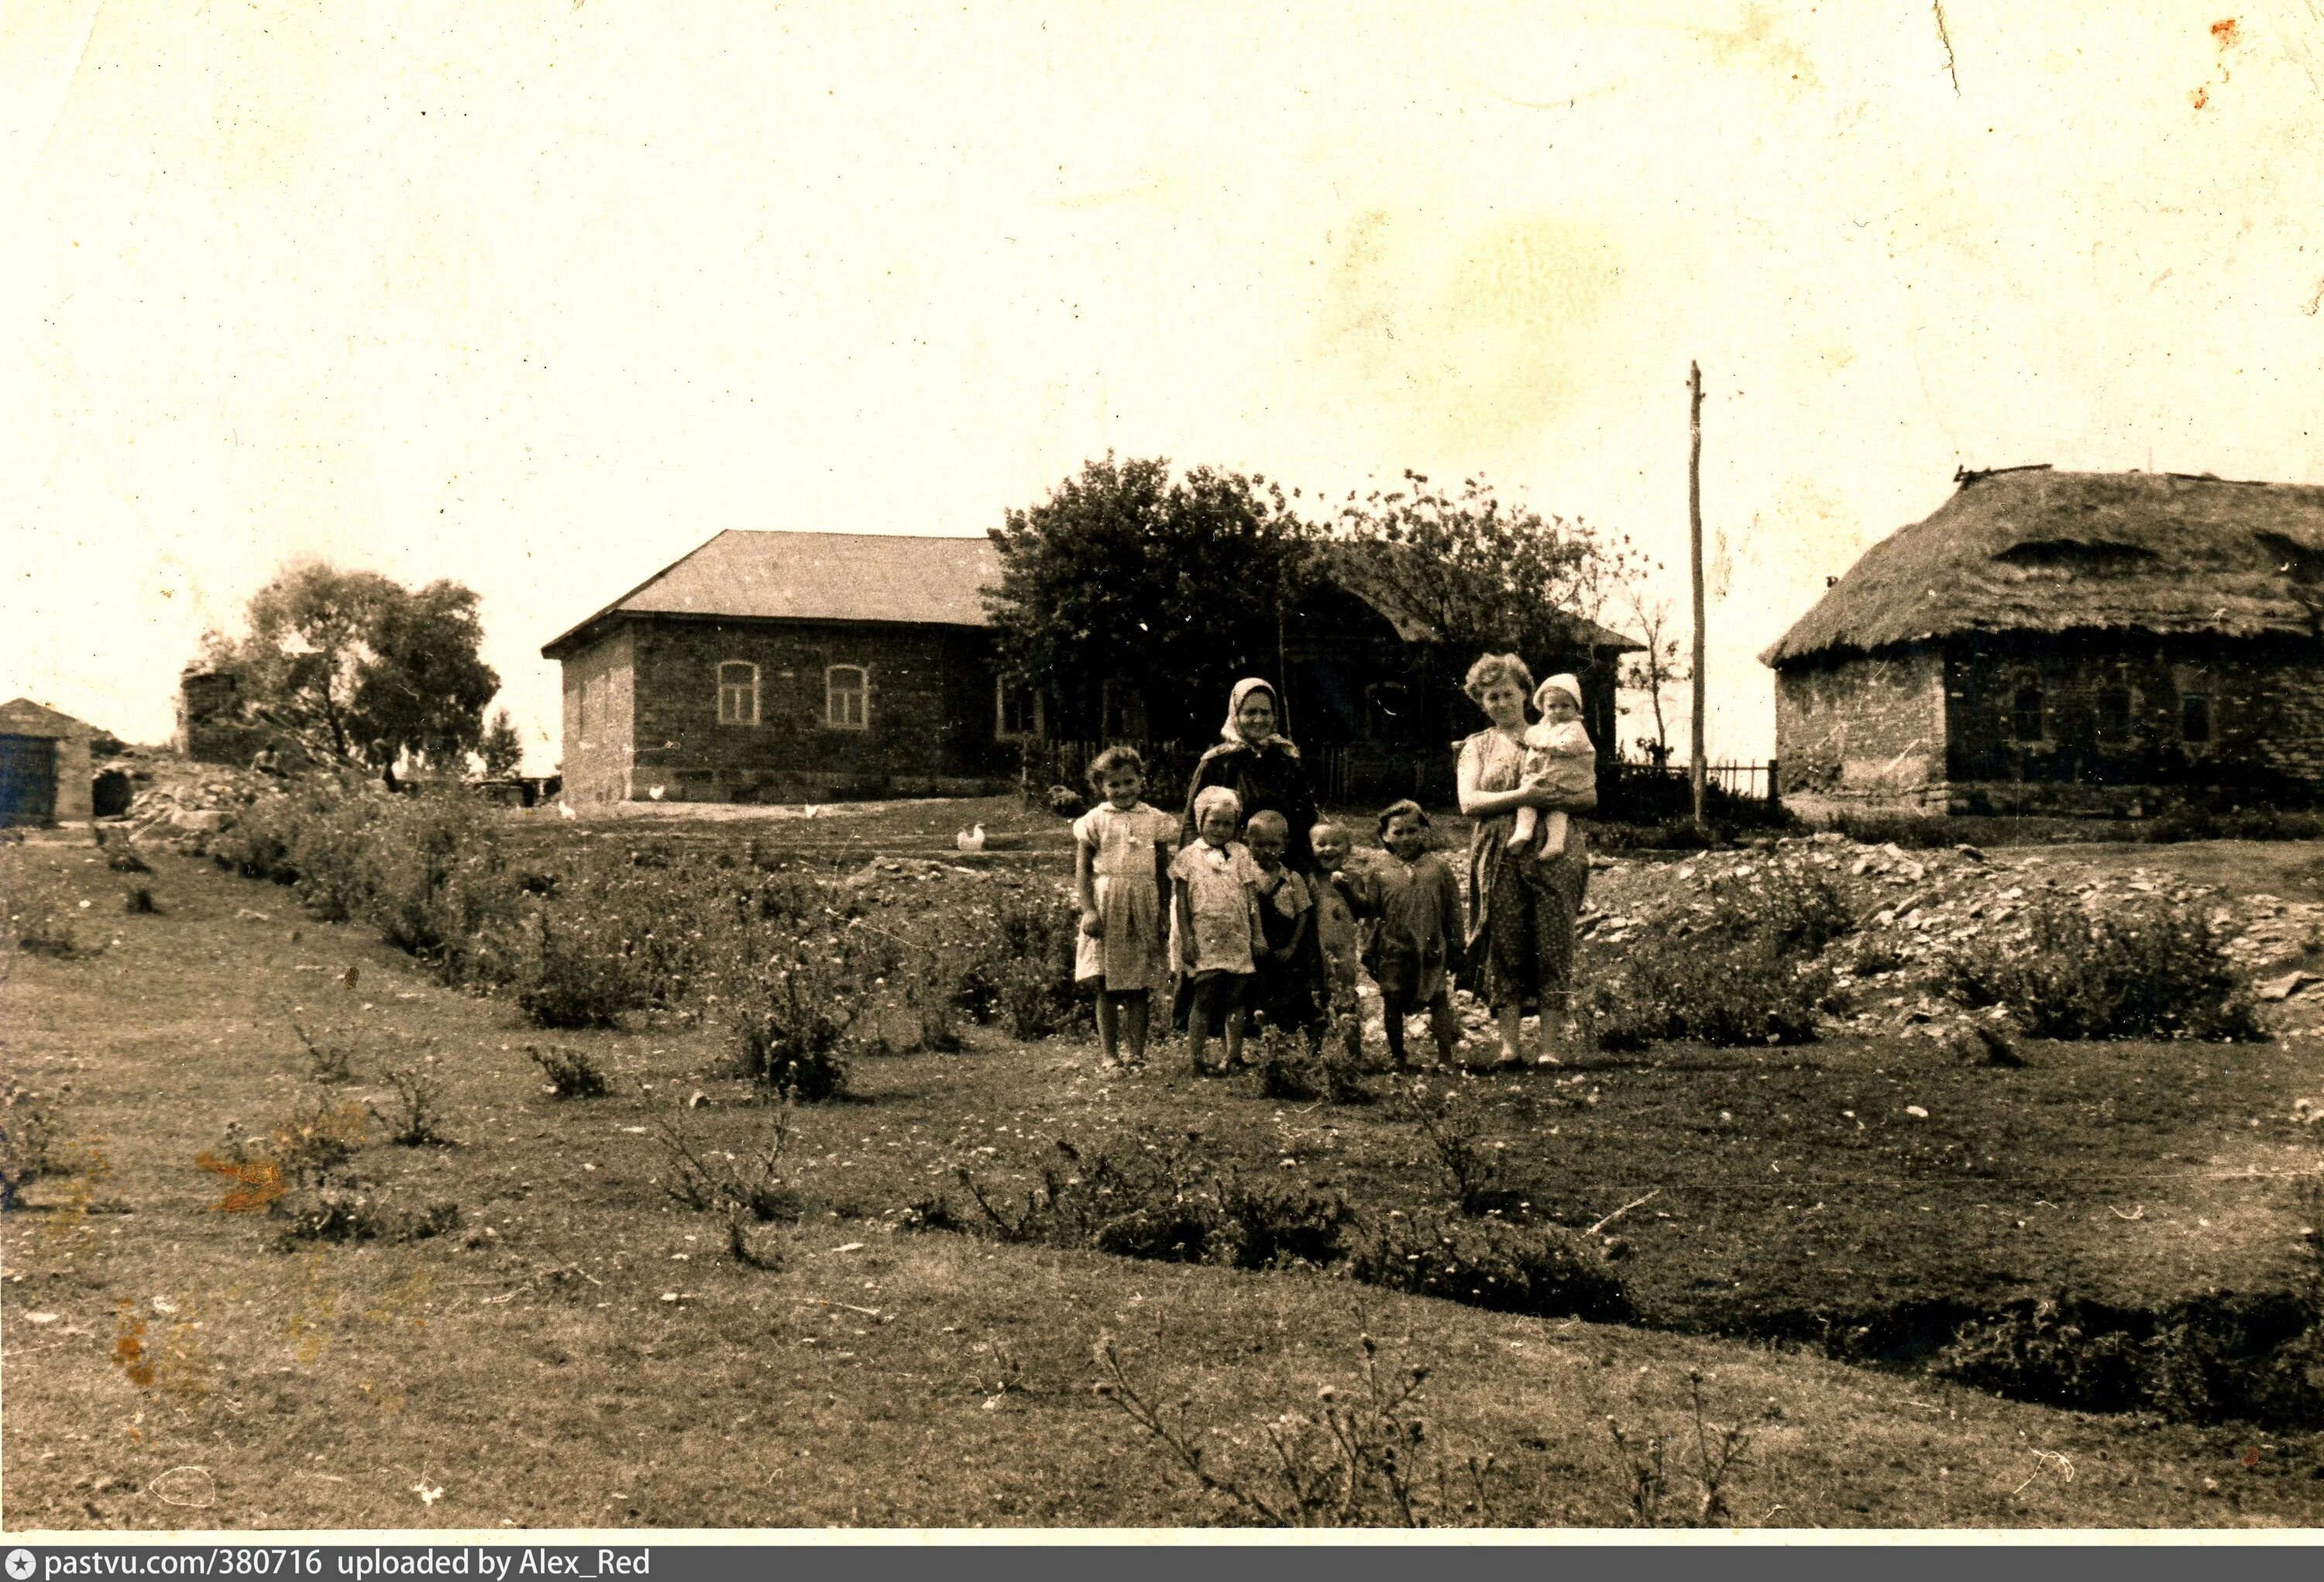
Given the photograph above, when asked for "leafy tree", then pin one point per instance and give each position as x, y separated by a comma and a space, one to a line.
1480, 574
502, 748
360, 668
1172, 586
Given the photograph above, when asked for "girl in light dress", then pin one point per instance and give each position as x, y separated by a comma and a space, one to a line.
1215, 927
1122, 858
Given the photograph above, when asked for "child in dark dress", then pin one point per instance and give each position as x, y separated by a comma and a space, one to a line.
1282, 995
1419, 918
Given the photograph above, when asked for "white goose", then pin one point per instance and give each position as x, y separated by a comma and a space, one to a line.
970, 839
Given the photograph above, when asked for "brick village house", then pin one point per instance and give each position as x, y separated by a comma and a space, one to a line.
2054, 643
805, 666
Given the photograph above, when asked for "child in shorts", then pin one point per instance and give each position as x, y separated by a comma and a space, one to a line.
1214, 927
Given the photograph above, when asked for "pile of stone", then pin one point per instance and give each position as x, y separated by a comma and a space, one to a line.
1914, 910
178, 796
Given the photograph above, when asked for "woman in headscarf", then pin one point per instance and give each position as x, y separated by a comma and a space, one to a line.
1520, 948
1262, 767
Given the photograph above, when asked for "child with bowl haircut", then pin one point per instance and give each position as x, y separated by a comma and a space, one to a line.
1418, 901
1214, 927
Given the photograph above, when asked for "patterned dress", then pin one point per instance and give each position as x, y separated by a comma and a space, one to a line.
1522, 908
1126, 882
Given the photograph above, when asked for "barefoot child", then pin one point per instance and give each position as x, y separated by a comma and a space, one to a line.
1420, 916
1341, 895
1283, 992
1121, 851
1560, 754
1215, 926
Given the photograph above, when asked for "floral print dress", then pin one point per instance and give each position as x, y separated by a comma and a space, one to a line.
1522, 908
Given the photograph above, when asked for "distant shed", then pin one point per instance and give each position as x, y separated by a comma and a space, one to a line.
2058, 643
44, 764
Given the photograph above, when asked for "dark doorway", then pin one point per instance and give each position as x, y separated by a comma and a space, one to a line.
28, 780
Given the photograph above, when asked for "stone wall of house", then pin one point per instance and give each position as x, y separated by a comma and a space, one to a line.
598, 734
929, 726
1865, 734
2097, 724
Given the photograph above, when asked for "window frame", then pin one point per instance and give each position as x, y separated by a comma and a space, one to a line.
862, 691
2018, 713
2208, 706
2117, 730
726, 687
1032, 723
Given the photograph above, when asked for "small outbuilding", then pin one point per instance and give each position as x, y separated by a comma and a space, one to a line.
44, 764
2058, 643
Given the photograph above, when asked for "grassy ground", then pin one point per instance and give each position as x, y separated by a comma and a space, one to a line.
581, 1351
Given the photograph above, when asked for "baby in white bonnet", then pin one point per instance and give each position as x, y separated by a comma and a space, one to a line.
1559, 751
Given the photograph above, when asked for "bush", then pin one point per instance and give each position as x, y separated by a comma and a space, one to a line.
28, 1142
1748, 976
349, 1211
2150, 967
1028, 963
417, 1120
1543, 1270
791, 1021
1728, 994
566, 974
1288, 1068
571, 1073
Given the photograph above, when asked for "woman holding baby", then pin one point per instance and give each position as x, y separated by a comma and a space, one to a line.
1528, 861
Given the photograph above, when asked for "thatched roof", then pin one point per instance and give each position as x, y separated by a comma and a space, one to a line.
2031, 549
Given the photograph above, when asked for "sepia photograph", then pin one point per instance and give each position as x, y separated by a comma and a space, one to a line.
1115, 769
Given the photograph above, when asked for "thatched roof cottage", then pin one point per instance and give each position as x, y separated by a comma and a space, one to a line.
2066, 642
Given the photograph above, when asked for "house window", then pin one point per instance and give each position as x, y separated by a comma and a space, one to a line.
1016, 711
2195, 716
2026, 714
2114, 715
738, 692
846, 698
581, 713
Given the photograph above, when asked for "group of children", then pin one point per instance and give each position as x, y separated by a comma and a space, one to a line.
1237, 936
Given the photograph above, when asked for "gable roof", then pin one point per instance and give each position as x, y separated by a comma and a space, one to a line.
22, 717
745, 575
2031, 549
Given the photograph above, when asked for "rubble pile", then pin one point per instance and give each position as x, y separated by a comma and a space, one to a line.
1913, 909
173, 795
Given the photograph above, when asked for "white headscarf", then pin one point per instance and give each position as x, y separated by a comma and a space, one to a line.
1231, 733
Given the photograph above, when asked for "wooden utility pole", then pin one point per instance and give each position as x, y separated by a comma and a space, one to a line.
1697, 771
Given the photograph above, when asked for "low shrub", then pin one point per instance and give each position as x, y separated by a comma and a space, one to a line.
1451, 1120
791, 1021
568, 972
1728, 994
2149, 966
2213, 1358
1290, 1069
330, 1060
571, 1073
1027, 962
28, 1142
417, 1119
1543, 1270
349, 1211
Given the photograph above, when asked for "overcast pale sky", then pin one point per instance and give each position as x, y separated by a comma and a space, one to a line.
539, 295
